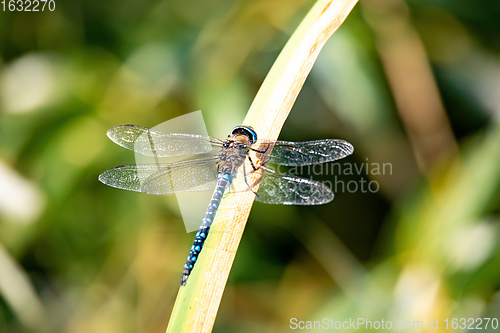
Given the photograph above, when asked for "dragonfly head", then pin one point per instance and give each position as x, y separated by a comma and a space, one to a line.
247, 131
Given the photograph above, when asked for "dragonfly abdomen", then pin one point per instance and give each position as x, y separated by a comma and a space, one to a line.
225, 177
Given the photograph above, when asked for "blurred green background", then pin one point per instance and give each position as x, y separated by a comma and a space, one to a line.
414, 84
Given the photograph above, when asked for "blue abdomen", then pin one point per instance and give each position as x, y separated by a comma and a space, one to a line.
224, 180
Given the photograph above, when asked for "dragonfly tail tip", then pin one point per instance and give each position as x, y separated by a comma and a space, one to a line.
184, 279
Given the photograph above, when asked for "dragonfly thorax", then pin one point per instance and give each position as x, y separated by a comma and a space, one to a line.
235, 154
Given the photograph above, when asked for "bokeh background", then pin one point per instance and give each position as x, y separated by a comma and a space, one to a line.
411, 83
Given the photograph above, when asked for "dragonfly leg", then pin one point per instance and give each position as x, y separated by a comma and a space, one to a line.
253, 165
245, 175
260, 151
255, 168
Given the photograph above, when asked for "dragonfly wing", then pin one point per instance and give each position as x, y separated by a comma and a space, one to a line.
163, 178
310, 152
150, 142
277, 188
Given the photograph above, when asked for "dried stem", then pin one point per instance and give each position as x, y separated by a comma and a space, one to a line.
197, 303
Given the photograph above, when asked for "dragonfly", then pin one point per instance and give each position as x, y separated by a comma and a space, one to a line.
216, 162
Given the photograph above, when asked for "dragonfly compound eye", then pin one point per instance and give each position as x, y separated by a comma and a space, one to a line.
247, 131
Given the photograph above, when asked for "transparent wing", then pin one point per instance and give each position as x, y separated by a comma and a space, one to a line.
164, 178
277, 188
150, 142
309, 152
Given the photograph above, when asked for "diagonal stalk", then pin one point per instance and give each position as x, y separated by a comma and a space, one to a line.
197, 303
